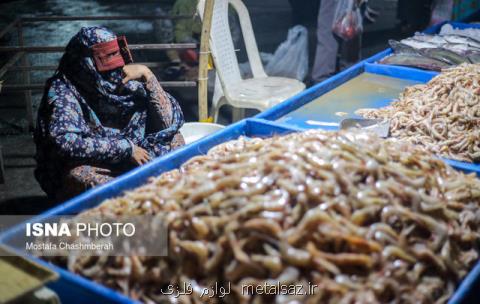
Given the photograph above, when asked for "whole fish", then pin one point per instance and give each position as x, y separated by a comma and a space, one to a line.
415, 60
458, 48
456, 39
416, 44
434, 39
445, 56
399, 47
435, 52
464, 51
473, 56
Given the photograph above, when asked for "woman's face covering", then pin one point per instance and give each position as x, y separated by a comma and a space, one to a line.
80, 66
115, 78
111, 54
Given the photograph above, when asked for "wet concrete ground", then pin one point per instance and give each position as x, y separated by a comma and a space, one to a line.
21, 193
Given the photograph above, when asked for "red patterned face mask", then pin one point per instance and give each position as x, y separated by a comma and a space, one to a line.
112, 54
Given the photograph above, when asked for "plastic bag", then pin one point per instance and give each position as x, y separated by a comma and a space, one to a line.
347, 22
291, 57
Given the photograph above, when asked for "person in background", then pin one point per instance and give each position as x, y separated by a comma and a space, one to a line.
100, 116
325, 63
328, 44
183, 63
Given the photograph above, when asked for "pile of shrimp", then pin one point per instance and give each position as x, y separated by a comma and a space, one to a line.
442, 115
366, 220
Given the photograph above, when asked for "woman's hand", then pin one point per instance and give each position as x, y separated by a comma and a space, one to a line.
136, 71
140, 156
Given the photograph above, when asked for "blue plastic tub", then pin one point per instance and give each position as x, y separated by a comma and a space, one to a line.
460, 25
74, 289
284, 113
368, 86
341, 78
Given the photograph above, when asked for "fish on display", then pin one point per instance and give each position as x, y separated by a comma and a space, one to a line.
434, 39
473, 56
458, 48
435, 52
415, 60
399, 47
416, 44
445, 55
456, 39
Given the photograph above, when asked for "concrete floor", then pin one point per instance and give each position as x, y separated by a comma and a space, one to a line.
22, 195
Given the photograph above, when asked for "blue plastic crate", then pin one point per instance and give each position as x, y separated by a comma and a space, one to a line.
331, 122
367, 86
339, 79
460, 25
74, 289
306, 98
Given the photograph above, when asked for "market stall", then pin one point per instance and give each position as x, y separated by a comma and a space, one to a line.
420, 236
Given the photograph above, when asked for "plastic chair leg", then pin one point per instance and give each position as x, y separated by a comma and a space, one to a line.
216, 108
238, 114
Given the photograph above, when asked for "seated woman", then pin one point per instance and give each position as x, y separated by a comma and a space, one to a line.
100, 116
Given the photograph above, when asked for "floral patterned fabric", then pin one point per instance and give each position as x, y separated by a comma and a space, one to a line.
89, 119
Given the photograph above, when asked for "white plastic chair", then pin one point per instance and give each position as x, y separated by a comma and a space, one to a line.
260, 92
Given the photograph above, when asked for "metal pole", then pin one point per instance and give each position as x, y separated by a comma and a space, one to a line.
203, 65
9, 27
54, 67
102, 17
9, 64
55, 49
26, 80
163, 46
41, 86
2, 168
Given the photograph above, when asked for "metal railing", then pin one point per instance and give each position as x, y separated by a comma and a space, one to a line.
21, 50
